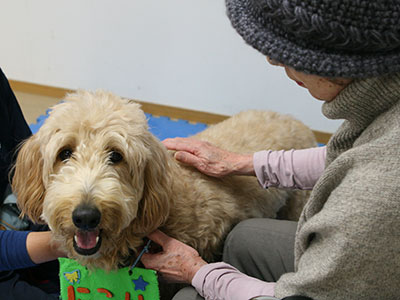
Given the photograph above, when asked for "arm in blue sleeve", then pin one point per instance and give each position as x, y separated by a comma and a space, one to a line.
13, 252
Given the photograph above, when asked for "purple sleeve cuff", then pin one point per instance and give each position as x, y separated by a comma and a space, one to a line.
13, 252
298, 169
222, 281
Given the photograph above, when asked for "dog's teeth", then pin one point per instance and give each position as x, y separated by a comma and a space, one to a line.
97, 240
76, 238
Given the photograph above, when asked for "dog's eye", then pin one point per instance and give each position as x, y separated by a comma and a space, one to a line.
115, 157
65, 154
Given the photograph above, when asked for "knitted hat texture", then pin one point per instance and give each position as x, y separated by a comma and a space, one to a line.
331, 38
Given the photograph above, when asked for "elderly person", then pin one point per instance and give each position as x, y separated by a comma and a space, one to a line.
346, 244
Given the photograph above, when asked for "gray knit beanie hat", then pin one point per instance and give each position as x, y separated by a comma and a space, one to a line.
331, 38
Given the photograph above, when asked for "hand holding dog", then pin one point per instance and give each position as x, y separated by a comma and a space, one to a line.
176, 262
41, 248
209, 159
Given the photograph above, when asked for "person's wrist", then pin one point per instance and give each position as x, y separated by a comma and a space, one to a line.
194, 267
244, 165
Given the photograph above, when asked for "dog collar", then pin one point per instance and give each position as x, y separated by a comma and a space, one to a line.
145, 250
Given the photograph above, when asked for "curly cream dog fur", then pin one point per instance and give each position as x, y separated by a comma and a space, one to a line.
102, 181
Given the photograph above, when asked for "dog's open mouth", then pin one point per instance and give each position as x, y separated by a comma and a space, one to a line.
87, 242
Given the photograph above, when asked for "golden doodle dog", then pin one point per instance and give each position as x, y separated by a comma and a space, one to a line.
102, 182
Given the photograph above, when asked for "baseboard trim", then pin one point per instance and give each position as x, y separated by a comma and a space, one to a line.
151, 108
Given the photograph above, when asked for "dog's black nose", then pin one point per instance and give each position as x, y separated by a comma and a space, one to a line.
86, 217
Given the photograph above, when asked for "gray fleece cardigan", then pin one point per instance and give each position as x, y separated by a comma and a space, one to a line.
348, 238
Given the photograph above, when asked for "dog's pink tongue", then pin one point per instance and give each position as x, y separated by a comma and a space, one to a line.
86, 239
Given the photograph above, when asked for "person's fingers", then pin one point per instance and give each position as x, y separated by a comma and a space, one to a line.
169, 143
160, 238
180, 144
150, 261
186, 158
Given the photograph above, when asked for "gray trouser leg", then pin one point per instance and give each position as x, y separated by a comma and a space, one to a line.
261, 248
187, 293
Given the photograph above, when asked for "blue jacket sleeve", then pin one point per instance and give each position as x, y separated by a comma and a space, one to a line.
13, 252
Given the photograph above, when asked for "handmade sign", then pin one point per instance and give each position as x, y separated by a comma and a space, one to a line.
78, 283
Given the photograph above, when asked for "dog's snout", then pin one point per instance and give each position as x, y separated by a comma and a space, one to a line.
86, 217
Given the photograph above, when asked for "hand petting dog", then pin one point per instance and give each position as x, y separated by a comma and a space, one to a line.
209, 159
177, 262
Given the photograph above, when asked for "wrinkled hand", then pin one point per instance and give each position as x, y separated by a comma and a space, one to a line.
210, 159
177, 262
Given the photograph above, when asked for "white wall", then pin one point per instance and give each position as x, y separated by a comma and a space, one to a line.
181, 53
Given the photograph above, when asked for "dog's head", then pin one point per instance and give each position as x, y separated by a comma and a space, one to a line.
96, 175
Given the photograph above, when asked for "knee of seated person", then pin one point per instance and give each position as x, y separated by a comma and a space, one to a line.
238, 240
251, 234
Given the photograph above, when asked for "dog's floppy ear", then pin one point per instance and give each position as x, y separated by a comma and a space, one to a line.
155, 204
27, 182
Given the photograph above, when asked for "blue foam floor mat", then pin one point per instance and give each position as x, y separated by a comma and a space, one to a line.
162, 127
